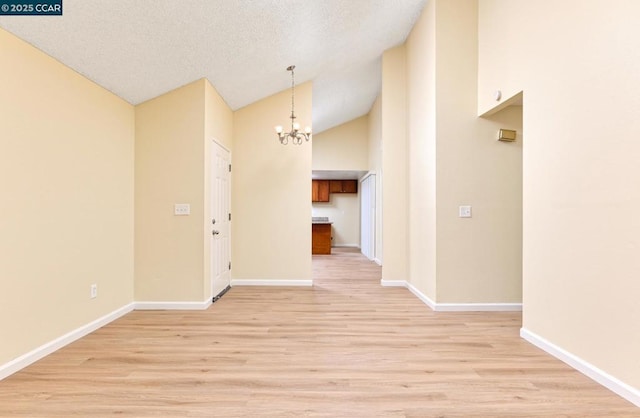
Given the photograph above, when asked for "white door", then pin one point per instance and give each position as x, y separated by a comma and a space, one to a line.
368, 216
220, 219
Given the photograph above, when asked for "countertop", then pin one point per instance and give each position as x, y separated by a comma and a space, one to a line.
317, 220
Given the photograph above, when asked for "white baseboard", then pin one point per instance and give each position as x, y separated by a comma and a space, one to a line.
393, 283
622, 389
44, 350
479, 307
271, 283
424, 298
172, 306
378, 262
401, 283
454, 307
345, 246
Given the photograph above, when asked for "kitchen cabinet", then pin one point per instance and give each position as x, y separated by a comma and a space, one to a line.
343, 186
319, 190
321, 238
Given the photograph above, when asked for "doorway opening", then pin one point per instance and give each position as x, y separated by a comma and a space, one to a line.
335, 211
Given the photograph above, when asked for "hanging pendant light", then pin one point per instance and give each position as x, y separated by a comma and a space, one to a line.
295, 135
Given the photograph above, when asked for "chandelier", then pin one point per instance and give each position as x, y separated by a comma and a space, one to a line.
295, 135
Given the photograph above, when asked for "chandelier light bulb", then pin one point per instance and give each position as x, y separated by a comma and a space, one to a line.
278, 129
296, 126
307, 129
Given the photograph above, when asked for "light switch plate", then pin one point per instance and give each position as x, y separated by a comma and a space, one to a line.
182, 209
464, 211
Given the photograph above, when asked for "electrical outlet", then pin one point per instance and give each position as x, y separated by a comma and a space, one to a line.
94, 291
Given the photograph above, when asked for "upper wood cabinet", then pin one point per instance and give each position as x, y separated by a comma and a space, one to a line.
319, 190
343, 186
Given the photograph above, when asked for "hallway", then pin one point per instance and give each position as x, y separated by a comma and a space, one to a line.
345, 348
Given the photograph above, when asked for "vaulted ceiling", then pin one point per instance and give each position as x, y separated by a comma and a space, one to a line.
140, 49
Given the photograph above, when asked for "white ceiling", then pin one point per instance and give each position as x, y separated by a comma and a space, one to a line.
139, 49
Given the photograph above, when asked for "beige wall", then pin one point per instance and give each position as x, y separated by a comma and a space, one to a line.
218, 118
478, 259
394, 163
66, 180
503, 75
344, 211
579, 73
170, 169
344, 147
375, 166
271, 185
68, 174
454, 159
421, 106
375, 135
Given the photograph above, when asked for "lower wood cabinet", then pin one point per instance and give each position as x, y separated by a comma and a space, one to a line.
321, 238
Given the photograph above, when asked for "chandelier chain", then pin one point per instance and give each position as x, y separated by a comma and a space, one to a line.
293, 94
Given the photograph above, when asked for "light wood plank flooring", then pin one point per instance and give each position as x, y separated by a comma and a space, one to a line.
345, 348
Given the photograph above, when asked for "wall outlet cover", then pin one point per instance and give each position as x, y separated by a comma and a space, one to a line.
182, 209
464, 211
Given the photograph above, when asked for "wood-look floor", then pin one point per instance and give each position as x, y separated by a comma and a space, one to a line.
345, 348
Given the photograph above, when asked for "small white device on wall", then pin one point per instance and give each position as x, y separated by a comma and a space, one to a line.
182, 209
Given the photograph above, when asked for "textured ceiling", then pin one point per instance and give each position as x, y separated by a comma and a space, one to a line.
139, 49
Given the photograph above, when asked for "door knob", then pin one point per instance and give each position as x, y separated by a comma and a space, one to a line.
214, 232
